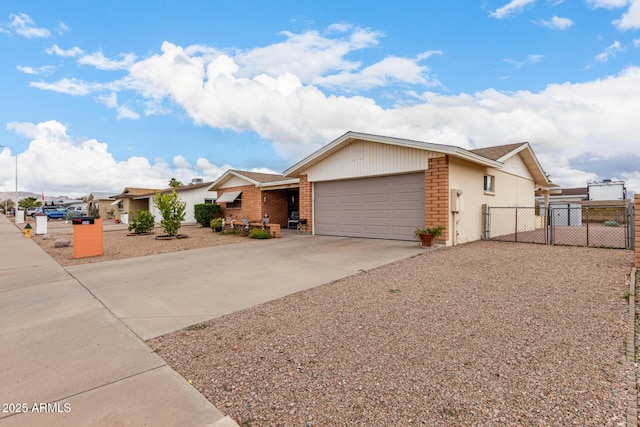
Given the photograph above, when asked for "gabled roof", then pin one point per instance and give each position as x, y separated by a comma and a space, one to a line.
490, 156
134, 191
101, 195
178, 189
498, 151
259, 179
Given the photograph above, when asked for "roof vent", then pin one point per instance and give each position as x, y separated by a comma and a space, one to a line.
196, 181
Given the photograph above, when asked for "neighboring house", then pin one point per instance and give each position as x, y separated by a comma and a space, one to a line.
567, 195
101, 201
252, 195
362, 185
192, 195
131, 201
134, 200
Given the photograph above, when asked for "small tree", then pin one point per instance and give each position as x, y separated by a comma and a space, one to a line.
173, 211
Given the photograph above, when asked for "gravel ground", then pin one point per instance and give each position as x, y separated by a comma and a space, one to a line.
482, 334
118, 244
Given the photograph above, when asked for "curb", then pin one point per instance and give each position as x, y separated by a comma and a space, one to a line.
632, 406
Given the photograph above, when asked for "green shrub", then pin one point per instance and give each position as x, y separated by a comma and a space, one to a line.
216, 223
142, 224
205, 212
258, 233
611, 224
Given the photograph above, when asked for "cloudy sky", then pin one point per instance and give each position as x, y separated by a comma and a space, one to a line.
97, 96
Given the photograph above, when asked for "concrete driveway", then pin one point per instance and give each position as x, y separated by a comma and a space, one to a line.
158, 294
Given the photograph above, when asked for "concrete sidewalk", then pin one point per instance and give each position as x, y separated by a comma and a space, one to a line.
66, 360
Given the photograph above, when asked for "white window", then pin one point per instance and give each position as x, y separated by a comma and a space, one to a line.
489, 183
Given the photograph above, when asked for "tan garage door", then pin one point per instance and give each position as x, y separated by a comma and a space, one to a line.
389, 207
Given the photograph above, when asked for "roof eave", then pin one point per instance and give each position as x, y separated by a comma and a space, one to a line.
349, 137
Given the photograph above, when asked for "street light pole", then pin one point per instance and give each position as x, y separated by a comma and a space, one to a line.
16, 195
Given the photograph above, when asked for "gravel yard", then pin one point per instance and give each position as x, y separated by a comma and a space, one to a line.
485, 334
118, 244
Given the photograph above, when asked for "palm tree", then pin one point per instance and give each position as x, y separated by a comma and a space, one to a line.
173, 183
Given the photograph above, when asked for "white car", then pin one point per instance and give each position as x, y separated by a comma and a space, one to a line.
78, 209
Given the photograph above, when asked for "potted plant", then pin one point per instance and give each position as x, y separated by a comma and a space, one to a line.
216, 224
426, 235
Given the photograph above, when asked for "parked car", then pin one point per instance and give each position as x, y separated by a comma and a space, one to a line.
79, 209
30, 211
52, 212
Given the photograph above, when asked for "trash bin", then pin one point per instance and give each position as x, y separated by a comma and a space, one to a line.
19, 216
41, 224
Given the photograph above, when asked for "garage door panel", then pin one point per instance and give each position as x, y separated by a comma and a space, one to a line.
388, 207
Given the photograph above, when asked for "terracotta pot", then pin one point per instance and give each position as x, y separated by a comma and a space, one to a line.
426, 239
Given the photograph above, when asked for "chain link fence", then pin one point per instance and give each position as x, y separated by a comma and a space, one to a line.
562, 224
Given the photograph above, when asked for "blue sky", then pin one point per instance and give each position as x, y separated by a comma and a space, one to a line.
102, 95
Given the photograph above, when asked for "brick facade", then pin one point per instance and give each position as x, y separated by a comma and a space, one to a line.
306, 201
636, 205
436, 194
256, 203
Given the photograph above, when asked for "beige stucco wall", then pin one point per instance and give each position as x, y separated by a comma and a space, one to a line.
513, 187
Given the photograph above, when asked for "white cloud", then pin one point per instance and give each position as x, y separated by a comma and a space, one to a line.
630, 20
608, 4
636, 42
125, 112
308, 55
69, 86
44, 70
224, 91
53, 152
24, 26
530, 60
388, 71
610, 51
514, 7
99, 61
557, 23
56, 50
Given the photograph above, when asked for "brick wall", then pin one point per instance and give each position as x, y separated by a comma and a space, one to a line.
306, 201
636, 206
436, 194
276, 206
251, 203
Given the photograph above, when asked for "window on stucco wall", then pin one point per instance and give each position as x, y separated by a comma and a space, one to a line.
489, 184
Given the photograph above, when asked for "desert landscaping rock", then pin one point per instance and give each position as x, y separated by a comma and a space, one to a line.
62, 243
118, 245
486, 334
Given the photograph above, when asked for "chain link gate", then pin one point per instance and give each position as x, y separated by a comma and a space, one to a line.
562, 224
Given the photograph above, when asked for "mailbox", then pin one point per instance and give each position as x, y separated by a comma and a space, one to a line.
82, 220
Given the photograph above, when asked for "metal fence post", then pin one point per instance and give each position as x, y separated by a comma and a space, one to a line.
485, 222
